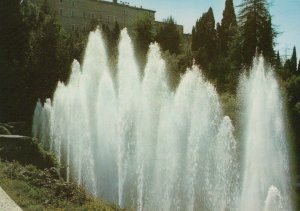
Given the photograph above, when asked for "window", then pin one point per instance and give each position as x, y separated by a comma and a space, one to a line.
60, 1
72, 13
73, 27
60, 12
73, 3
83, 14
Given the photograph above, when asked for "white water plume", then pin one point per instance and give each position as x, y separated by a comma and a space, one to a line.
266, 163
132, 141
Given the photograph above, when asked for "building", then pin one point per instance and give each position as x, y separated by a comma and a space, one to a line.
78, 14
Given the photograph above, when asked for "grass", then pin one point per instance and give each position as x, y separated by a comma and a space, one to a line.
35, 189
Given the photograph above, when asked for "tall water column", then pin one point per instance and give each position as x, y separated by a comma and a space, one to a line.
265, 181
133, 141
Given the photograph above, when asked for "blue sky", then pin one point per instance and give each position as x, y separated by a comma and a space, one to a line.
286, 16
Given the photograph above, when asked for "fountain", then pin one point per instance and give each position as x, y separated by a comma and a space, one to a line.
266, 164
133, 141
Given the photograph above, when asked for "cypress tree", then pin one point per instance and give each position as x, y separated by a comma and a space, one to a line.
298, 71
205, 38
287, 64
228, 26
257, 32
293, 61
266, 41
278, 64
194, 39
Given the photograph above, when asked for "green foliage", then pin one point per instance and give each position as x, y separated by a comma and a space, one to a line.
290, 67
143, 36
223, 51
290, 80
94, 23
111, 37
228, 27
292, 85
285, 72
204, 39
278, 64
35, 55
168, 36
35, 189
293, 61
176, 65
14, 40
257, 31
73, 48
26, 151
230, 106
218, 50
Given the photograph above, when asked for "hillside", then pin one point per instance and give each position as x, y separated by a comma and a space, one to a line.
32, 180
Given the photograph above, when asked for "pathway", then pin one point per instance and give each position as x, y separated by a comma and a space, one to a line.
6, 203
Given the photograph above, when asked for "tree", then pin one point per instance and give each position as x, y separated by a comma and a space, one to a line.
227, 29
287, 65
278, 64
111, 37
257, 31
115, 36
14, 42
266, 44
298, 71
93, 24
33, 60
75, 43
293, 61
194, 45
143, 36
116, 33
13, 32
168, 36
204, 39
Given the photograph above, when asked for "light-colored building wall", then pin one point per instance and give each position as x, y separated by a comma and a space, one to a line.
80, 13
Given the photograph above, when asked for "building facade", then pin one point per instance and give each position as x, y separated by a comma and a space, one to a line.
78, 14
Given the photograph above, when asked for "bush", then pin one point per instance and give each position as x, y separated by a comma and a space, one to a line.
36, 189
25, 150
